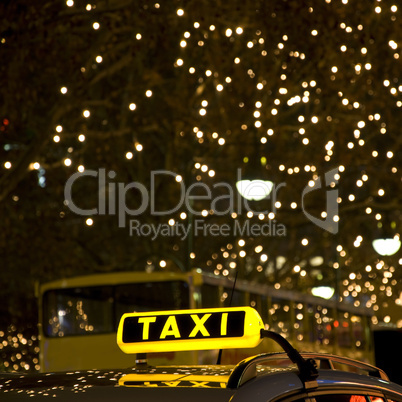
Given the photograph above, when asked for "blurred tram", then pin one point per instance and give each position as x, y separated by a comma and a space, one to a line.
78, 317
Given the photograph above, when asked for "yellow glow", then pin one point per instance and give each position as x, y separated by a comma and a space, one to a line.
180, 328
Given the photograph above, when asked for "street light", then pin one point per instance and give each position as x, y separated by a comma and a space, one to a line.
387, 246
326, 292
254, 190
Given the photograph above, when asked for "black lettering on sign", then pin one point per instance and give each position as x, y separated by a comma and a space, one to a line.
183, 326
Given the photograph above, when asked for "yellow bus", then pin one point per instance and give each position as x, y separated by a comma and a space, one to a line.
78, 317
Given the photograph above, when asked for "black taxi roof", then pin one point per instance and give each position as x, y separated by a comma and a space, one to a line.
196, 383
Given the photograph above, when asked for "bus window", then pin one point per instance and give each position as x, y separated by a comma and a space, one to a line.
358, 331
344, 335
233, 298
264, 309
280, 312
209, 296
310, 324
299, 325
151, 296
97, 309
256, 302
78, 311
325, 326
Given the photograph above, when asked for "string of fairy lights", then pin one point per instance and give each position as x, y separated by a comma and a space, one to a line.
373, 122
285, 97
299, 98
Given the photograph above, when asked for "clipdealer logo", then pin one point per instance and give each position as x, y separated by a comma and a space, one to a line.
112, 200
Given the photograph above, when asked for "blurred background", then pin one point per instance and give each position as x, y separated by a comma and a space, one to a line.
304, 96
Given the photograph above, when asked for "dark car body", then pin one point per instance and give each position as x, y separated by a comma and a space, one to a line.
255, 379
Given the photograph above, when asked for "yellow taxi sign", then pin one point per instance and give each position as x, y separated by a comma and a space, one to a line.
196, 329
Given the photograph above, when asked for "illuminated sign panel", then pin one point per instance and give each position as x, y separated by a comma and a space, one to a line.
183, 326
189, 330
